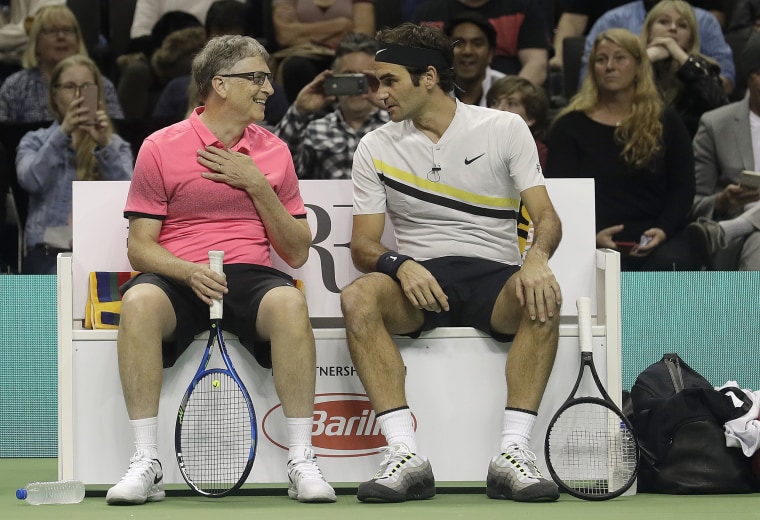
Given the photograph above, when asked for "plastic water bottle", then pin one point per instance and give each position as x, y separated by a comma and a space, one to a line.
60, 492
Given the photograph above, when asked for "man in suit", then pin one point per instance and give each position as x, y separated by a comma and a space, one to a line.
727, 142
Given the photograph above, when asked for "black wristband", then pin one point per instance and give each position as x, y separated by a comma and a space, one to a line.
389, 262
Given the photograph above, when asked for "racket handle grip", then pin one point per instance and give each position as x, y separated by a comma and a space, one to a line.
216, 263
584, 323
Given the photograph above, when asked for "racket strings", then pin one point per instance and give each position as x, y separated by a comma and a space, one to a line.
216, 433
591, 450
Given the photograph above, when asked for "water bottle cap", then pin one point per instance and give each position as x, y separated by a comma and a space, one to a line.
21, 494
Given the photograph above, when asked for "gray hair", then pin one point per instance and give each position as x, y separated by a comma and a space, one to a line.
355, 42
219, 55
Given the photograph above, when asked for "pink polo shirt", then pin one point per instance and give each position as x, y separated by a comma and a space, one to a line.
199, 214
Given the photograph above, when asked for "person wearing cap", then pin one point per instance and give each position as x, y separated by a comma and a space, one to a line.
451, 183
474, 39
726, 143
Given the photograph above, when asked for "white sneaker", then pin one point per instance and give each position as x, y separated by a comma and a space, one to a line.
306, 481
143, 482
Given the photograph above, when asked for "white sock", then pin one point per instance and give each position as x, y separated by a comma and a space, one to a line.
736, 228
398, 428
145, 432
518, 425
299, 436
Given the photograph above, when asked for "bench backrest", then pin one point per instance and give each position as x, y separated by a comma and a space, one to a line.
100, 240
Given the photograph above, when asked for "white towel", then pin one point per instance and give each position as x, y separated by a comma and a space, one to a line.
744, 432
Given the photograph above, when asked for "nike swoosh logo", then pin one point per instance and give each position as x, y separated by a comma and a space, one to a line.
470, 161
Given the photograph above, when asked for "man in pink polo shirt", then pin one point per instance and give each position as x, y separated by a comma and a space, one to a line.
217, 182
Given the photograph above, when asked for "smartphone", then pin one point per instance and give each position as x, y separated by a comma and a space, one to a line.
90, 102
750, 179
625, 247
345, 85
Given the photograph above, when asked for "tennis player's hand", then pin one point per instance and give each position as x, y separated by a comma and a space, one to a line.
537, 288
208, 285
233, 168
421, 287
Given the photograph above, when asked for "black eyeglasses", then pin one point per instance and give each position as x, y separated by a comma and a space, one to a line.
258, 77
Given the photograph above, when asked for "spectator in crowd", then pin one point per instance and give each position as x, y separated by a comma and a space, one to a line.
745, 17
450, 181
217, 181
520, 96
727, 142
408, 8
322, 132
474, 40
715, 7
13, 34
578, 16
148, 13
54, 36
617, 131
308, 31
70, 149
176, 37
631, 16
688, 81
521, 34
744, 21
178, 98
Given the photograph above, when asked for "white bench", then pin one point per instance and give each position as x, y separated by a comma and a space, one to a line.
455, 386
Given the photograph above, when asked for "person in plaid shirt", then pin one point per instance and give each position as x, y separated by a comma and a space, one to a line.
323, 131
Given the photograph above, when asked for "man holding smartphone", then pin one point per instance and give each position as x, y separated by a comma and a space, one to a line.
333, 112
727, 205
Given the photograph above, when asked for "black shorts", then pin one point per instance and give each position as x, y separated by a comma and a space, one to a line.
247, 284
472, 286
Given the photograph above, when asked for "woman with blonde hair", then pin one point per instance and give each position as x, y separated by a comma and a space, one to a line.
688, 81
53, 36
77, 146
617, 131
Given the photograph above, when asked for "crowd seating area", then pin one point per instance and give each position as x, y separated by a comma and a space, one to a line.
105, 26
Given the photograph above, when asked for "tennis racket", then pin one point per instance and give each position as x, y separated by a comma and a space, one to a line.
215, 435
591, 449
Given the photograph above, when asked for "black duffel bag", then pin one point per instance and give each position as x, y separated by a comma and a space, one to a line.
678, 419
